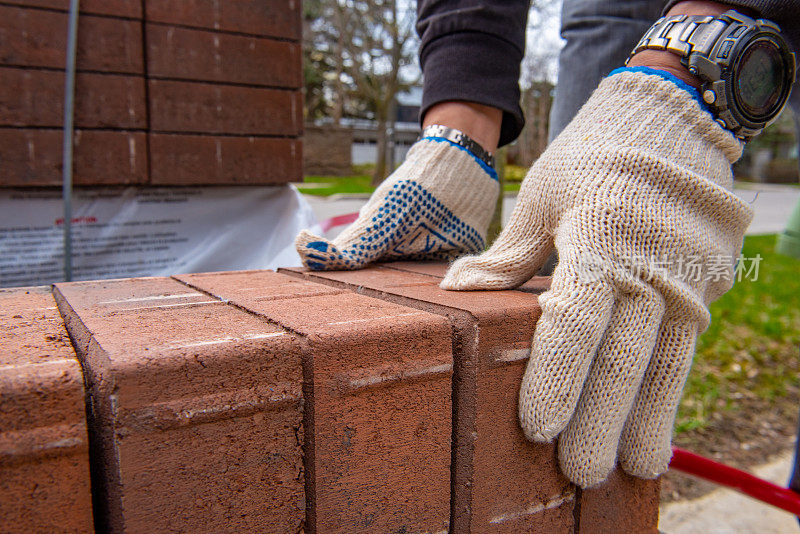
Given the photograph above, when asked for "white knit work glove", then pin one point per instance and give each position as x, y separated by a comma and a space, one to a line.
635, 195
436, 205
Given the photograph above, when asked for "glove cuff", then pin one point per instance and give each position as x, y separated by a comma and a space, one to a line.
647, 109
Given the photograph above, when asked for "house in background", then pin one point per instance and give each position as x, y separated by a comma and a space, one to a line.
402, 135
328, 147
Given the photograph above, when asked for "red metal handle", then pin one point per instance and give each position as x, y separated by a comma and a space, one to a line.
696, 465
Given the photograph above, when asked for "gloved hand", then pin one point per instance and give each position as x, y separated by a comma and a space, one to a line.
436, 205
634, 192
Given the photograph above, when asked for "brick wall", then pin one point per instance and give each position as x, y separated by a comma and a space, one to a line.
368, 401
168, 92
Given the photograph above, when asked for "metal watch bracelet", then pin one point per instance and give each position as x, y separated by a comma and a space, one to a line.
459, 138
682, 35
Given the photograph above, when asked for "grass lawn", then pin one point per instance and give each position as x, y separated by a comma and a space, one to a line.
741, 400
750, 350
359, 182
333, 185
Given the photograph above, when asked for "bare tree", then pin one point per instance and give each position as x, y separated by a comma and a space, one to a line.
379, 46
359, 49
537, 99
537, 79
316, 61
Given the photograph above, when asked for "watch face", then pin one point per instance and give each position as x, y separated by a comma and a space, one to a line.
759, 81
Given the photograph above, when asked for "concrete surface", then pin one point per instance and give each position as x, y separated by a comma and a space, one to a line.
772, 203
728, 512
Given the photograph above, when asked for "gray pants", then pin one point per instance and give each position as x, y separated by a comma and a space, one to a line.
600, 34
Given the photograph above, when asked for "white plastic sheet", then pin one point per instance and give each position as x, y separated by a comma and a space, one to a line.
129, 232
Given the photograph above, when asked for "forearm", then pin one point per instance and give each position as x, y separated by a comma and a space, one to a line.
481, 123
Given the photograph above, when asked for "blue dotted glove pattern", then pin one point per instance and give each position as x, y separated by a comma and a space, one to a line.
411, 223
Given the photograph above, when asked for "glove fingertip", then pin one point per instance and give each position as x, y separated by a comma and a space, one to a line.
461, 276
648, 468
584, 472
319, 254
537, 430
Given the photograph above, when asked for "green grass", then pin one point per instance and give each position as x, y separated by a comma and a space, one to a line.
750, 350
515, 174
358, 183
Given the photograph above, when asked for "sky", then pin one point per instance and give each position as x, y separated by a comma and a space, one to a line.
543, 37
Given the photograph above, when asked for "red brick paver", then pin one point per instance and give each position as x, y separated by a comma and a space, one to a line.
203, 55
38, 38
44, 457
257, 401
178, 159
33, 157
116, 8
36, 98
377, 385
254, 17
492, 334
197, 408
195, 107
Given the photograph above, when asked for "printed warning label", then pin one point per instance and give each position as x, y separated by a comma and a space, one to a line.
148, 232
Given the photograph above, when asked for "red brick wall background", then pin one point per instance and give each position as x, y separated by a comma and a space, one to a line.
367, 401
168, 92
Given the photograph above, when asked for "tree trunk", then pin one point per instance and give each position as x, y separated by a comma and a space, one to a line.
523, 141
496, 226
380, 161
542, 122
390, 129
338, 98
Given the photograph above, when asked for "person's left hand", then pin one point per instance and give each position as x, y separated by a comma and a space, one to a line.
636, 196
436, 205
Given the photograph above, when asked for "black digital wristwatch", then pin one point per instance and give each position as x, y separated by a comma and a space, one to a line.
745, 65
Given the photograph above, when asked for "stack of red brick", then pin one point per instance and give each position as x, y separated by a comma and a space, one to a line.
168, 92
367, 401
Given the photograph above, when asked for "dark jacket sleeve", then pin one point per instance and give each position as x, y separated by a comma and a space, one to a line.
471, 50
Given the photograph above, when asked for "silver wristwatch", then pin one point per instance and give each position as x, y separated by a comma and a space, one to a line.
745, 65
459, 138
